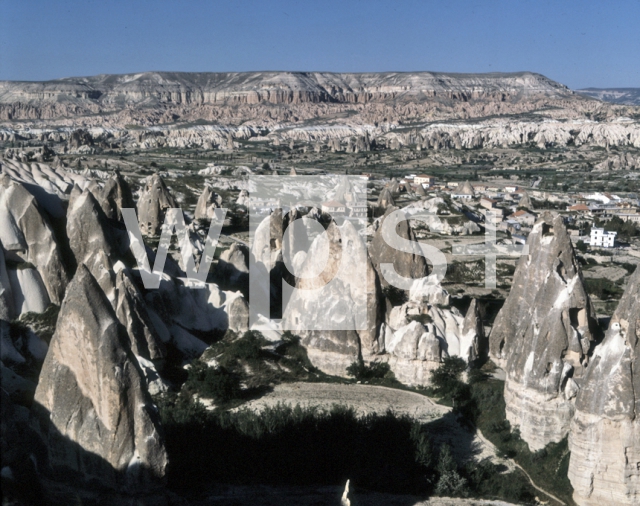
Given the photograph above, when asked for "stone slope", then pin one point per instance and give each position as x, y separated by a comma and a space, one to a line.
95, 412
543, 334
605, 433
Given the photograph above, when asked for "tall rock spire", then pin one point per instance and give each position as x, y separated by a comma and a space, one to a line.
154, 201
95, 413
605, 433
543, 334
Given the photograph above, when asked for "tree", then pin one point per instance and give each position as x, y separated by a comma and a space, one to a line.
446, 378
581, 246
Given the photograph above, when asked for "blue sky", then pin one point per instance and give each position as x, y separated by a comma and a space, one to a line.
581, 44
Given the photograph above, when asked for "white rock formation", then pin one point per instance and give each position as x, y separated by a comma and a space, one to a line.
543, 334
27, 236
604, 440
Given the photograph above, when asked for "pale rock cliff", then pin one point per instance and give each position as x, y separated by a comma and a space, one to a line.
350, 300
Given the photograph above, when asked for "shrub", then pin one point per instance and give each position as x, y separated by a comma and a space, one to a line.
219, 383
395, 295
581, 246
375, 370
602, 288
446, 378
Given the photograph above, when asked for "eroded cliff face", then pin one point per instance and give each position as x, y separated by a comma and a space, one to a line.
258, 104
543, 334
605, 433
95, 413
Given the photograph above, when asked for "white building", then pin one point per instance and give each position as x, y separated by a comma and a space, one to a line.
603, 239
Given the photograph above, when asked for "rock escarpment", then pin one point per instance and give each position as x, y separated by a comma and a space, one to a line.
95, 413
543, 334
605, 433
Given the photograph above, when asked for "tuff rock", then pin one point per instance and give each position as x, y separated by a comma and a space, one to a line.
543, 334
604, 441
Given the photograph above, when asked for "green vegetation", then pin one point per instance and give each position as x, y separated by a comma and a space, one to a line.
247, 360
375, 370
286, 445
625, 229
481, 403
603, 288
396, 296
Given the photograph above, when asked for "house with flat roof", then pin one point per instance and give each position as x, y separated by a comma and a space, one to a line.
602, 239
333, 207
426, 181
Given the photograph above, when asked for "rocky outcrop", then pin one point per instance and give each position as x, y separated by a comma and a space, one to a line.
543, 334
604, 467
27, 238
408, 265
343, 301
91, 239
114, 196
153, 203
422, 331
132, 312
208, 202
385, 199
525, 202
233, 262
95, 413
